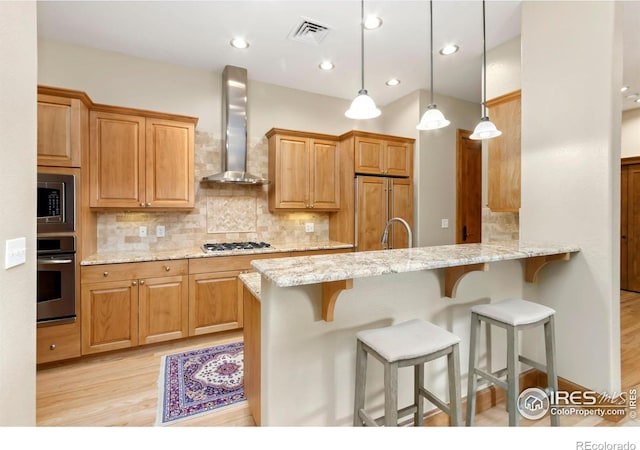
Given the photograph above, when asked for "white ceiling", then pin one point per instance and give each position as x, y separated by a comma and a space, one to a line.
198, 34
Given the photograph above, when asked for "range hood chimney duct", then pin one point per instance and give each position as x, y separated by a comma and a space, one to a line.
234, 131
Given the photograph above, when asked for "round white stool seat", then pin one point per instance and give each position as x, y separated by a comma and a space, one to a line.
514, 311
408, 340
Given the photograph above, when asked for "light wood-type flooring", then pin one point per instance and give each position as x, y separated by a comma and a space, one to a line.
120, 389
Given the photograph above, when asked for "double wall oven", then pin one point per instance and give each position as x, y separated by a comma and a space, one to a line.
56, 249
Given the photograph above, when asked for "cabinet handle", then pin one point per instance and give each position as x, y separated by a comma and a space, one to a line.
142, 204
105, 274
141, 282
167, 268
134, 283
148, 204
52, 347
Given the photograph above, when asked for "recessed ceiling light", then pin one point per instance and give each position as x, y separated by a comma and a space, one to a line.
326, 65
372, 22
632, 96
449, 49
239, 43
638, 100
392, 82
624, 88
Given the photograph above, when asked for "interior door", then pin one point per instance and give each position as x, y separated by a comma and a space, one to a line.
624, 260
633, 228
468, 189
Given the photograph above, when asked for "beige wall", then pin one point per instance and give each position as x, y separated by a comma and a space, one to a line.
630, 142
503, 68
18, 181
570, 173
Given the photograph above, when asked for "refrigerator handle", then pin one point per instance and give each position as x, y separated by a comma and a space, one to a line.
391, 212
355, 231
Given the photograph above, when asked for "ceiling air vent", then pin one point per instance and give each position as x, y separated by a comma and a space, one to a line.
309, 32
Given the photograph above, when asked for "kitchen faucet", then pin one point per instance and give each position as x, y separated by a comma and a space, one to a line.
385, 235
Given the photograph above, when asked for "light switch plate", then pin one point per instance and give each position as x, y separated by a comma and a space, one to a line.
142, 231
15, 252
160, 231
308, 227
445, 223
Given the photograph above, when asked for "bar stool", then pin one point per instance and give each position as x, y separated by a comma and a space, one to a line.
411, 343
513, 315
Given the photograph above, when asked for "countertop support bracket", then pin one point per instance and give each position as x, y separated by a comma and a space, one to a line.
330, 292
453, 275
535, 263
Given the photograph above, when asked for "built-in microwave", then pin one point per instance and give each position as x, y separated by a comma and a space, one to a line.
56, 200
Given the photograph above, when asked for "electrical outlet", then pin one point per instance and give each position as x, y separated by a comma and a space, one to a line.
160, 231
308, 227
142, 232
445, 223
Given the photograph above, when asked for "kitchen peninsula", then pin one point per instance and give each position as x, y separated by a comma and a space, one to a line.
299, 370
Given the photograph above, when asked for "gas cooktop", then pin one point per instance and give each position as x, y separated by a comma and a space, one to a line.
234, 246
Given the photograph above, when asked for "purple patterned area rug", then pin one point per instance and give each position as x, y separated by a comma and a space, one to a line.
199, 381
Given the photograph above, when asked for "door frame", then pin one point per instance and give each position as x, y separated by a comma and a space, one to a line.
460, 135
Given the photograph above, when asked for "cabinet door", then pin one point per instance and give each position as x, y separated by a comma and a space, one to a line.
169, 164
324, 170
215, 303
59, 131
504, 154
109, 316
371, 212
369, 156
163, 313
291, 173
117, 160
400, 205
398, 159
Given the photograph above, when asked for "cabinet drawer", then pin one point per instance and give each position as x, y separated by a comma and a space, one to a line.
58, 342
130, 271
322, 252
225, 263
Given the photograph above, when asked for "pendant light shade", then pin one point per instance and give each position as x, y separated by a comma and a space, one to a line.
485, 129
363, 106
432, 119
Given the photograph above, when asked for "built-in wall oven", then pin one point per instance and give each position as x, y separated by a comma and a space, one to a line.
56, 203
56, 279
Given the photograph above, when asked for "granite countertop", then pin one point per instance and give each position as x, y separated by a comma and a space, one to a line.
296, 271
253, 282
197, 252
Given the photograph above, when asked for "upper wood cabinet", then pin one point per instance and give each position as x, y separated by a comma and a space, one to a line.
504, 154
380, 155
62, 126
304, 170
138, 161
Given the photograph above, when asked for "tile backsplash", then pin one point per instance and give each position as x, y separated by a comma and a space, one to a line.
500, 226
222, 213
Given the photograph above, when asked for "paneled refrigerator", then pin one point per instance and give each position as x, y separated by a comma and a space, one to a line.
378, 199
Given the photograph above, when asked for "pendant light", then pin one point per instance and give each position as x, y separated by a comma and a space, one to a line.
432, 119
485, 128
363, 106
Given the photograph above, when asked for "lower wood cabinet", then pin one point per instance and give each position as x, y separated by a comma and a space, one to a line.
140, 304
57, 342
215, 302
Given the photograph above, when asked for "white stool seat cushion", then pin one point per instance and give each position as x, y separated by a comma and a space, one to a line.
408, 340
514, 311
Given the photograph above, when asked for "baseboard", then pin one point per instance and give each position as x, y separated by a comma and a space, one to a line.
489, 397
486, 399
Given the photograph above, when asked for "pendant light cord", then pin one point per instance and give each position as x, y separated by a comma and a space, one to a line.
484, 64
431, 44
362, 43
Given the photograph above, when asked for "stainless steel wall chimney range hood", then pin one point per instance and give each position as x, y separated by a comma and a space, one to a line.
234, 132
